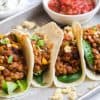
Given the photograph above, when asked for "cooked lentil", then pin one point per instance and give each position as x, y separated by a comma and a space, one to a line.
41, 53
68, 60
92, 35
16, 69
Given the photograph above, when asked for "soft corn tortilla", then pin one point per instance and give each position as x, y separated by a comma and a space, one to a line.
27, 49
90, 74
79, 44
55, 36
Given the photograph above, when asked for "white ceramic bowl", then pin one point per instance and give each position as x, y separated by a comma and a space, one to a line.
9, 12
68, 19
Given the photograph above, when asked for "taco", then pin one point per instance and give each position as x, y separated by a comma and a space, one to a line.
45, 42
68, 68
15, 69
91, 46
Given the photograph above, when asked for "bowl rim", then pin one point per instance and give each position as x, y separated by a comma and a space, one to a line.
97, 7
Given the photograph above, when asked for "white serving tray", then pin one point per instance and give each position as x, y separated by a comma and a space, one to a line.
37, 14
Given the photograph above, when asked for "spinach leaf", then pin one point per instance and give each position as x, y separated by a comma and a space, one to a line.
69, 78
35, 37
38, 78
22, 84
88, 54
9, 87
4, 41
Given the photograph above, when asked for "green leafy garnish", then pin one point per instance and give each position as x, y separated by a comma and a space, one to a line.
40, 43
39, 78
9, 87
88, 53
22, 84
35, 37
4, 41
69, 78
4, 86
10, 59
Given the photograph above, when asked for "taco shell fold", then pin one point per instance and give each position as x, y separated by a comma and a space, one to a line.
79, 44
55, 36
27, 49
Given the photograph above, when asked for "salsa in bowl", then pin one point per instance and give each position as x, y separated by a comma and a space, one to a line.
71, 7
81, 11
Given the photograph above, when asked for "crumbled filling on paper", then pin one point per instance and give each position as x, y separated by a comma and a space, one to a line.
27, 26
69, 91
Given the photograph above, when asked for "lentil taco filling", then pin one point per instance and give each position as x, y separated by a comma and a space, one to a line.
42, 54
68, 65
91, 43
13, 69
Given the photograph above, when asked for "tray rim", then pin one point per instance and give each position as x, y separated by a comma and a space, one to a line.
91, 92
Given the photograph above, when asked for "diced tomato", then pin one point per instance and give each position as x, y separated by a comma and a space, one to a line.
65, 2
71, 7
54, 5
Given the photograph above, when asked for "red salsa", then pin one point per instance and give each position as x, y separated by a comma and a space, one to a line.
71, 7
